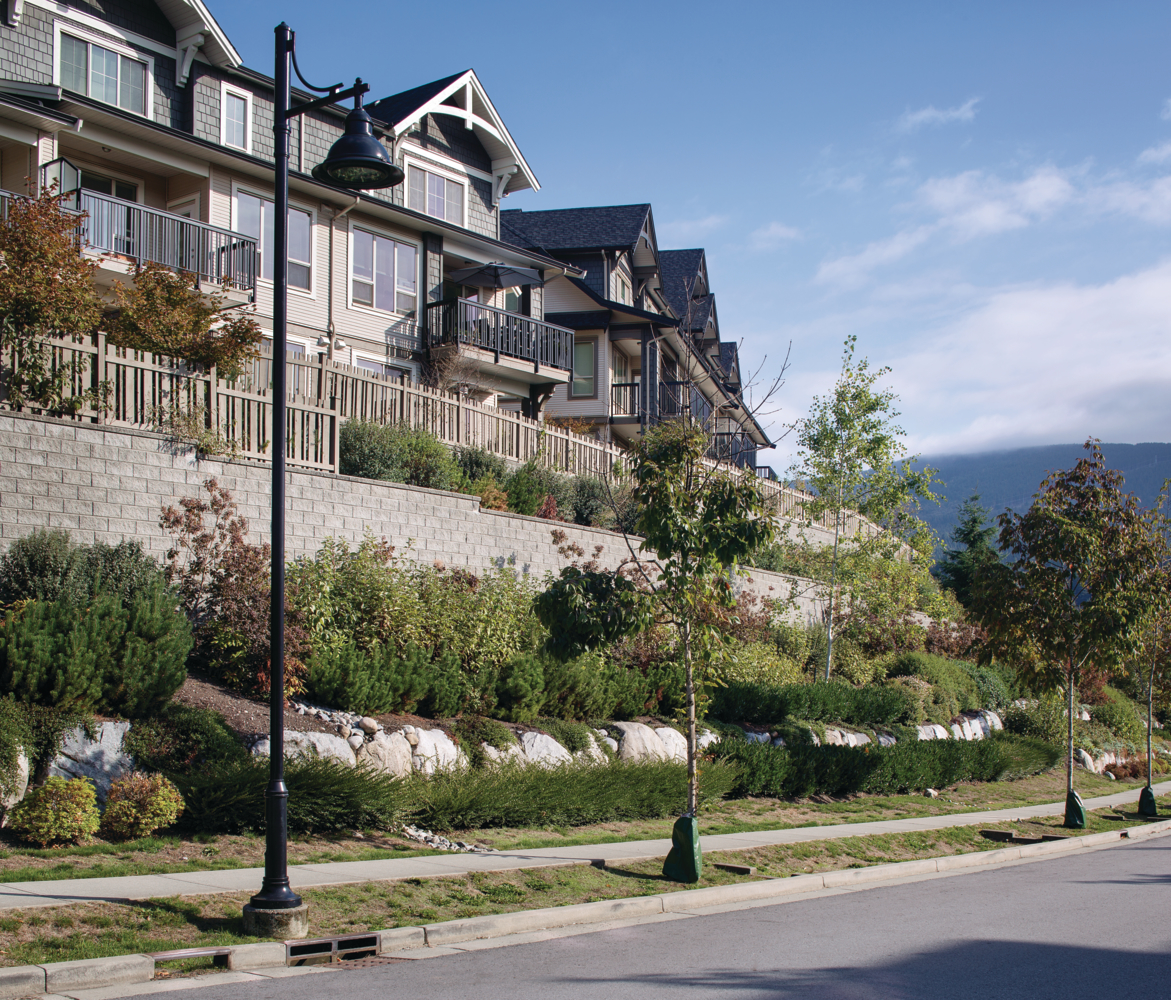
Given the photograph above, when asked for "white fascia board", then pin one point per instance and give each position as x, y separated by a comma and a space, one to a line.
105, 27
191, 18
148, 151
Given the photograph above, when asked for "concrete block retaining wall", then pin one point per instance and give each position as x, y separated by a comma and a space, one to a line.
109, 484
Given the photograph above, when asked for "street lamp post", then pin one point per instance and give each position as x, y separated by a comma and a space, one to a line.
357, 161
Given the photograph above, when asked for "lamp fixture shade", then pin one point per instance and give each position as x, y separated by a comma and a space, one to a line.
358, 161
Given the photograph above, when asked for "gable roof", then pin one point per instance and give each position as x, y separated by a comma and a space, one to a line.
195, 28
461, 95
678, 270
611, 227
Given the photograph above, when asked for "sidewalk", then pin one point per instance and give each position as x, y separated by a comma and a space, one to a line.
15, 895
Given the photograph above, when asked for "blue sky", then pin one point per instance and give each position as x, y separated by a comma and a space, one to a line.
981, 192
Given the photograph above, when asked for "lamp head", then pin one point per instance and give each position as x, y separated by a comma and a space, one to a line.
358, 161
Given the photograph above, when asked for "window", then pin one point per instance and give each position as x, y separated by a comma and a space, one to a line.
103, 74
254, 217
623, 290
122, 190
436, 196
235, 118
583, 369
381, 368
384, 273
618, 365
513, 300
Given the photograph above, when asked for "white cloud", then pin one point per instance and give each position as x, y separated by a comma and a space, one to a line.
1150, 203
1156, 154
688, 229
773, 235
1043, 364
975, 204
854, 268
912, 121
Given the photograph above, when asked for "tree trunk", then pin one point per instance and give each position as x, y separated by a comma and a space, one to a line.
1151, 714
833, 576
1069, 755
692, 783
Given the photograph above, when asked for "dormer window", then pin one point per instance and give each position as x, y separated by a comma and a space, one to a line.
117, 77
435, 195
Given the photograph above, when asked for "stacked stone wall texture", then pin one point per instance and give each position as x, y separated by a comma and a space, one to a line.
106, 485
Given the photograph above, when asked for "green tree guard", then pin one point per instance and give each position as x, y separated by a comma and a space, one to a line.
1146, 802
685, 861
1075, 811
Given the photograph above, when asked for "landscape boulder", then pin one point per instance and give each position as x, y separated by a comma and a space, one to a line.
389, 753
707, 738
434, 751
513, 752
640, 742
542, 749
328, 745
1085, 760
675, 742
18, 789
102, 760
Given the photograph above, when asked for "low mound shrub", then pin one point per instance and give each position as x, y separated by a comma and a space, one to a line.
473, 731
182, 738
140, 804
760, 663
585, 687
396, 453
574, 736
1120, 716
837, 702
325, 796
1044, 721
60, 811
801, 771
956, 689
371, 681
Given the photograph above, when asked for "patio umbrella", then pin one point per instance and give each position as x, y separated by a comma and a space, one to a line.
496, 276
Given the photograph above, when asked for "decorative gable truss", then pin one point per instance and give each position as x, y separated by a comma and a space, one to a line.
464, 97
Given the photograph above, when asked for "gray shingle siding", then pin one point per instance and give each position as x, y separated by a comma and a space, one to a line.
170, 101
26, 52
481, 213
447, 135
140, 16
205, 88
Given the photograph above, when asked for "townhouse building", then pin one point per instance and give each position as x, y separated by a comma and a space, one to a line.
144, 113
646, 335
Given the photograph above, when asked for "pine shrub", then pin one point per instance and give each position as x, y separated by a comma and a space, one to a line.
180, 739
37, 567
140, 804
832, 702
59, 811
574, 736
370, 681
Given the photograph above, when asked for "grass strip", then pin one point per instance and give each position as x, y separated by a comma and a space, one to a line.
93, 930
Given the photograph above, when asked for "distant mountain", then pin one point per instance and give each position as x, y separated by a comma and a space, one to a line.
1010, 478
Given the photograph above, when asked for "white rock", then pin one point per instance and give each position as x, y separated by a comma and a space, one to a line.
833, 738
756, 737
931, 793
389, 753
706, 739
368, 724
542, 749
1110, 776
859, 739
355, 741
940, 732
514, 752
992, 719
101, 760
816, 738
18, 790
956, 732
1084, 716
887, 741
640, 742
779, 741
926, 732
312, 745
1085, 760
593, 751
435, 752
674, 741
344, 731
412, 735
407, 730
611, 743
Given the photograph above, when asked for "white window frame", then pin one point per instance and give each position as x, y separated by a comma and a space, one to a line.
591, 342
115, 174
237, 190
92, 38
449, 175
226, 89
386, 235
404, 372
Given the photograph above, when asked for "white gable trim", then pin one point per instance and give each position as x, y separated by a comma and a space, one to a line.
491, 131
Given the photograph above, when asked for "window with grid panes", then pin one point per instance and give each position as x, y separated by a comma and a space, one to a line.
436, 196
384, 273
105, 75
255, 218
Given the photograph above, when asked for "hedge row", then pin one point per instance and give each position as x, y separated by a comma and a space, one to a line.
801, 771
760, 703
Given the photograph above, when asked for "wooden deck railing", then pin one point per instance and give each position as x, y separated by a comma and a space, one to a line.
149, 392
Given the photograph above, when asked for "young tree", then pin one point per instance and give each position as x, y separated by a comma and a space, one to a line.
1076, 587
698, 521
959, 567
851, 458
46, 290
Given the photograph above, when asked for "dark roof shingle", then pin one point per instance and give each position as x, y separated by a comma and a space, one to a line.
395, 108
614, 227
677, 271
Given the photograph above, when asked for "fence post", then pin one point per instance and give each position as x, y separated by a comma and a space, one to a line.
99, 374
213, 399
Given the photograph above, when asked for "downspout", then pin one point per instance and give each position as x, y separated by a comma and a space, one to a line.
329, 327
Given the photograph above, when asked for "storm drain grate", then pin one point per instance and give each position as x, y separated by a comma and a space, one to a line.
334, 949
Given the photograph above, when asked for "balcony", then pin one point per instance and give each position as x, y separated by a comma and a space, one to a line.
624, 399
507, 345
674, 399
128, 235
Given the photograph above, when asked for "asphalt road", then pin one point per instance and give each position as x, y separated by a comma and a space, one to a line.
1090, 926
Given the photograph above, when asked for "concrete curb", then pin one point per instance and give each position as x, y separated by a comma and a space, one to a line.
453, 932
122, 970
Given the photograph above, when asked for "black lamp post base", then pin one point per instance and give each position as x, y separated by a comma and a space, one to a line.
284, 925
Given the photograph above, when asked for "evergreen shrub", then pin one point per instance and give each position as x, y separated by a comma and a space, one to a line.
182, 738
58, 811
478, 464
1044, 721
370, 681
473, 731
140, 804
832, 702
1122, 719
396, 453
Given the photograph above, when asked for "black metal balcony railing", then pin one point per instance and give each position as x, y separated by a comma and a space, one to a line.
460, 321
146, 234
736, 447
674, 399
624, 401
